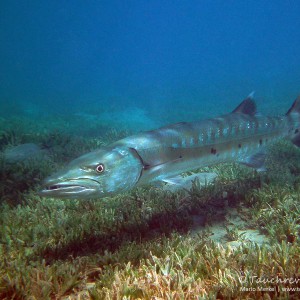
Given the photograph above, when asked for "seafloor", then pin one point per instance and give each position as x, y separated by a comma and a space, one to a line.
235, 239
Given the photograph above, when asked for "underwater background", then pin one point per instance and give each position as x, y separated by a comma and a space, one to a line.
78, 75
198, 57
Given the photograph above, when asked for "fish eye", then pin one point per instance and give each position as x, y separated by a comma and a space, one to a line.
100, 168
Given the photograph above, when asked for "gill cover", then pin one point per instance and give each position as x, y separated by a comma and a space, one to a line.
122, 170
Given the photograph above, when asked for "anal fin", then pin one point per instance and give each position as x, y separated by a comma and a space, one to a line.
296, 140
256, 161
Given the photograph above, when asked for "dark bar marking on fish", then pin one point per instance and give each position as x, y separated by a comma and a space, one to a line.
213, 151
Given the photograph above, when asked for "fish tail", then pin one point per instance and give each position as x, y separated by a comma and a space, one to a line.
295, 108
294, 114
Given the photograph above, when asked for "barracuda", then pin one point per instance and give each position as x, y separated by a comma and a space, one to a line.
162, 154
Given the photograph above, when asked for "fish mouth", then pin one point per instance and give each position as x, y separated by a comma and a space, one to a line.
71, 189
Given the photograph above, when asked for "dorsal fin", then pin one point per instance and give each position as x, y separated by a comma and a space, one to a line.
247, 107
295, 108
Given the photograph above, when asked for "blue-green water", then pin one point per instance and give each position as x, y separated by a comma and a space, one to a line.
171, 60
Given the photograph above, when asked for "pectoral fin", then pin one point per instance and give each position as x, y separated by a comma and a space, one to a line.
180, 182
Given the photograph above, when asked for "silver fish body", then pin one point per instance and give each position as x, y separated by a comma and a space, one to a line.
166, 152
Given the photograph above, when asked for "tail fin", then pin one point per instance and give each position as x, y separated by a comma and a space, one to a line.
295, 108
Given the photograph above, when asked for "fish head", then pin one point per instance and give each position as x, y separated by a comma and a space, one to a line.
100, 173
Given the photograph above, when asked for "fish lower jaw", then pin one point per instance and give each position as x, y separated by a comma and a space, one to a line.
67, 190
58, 187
